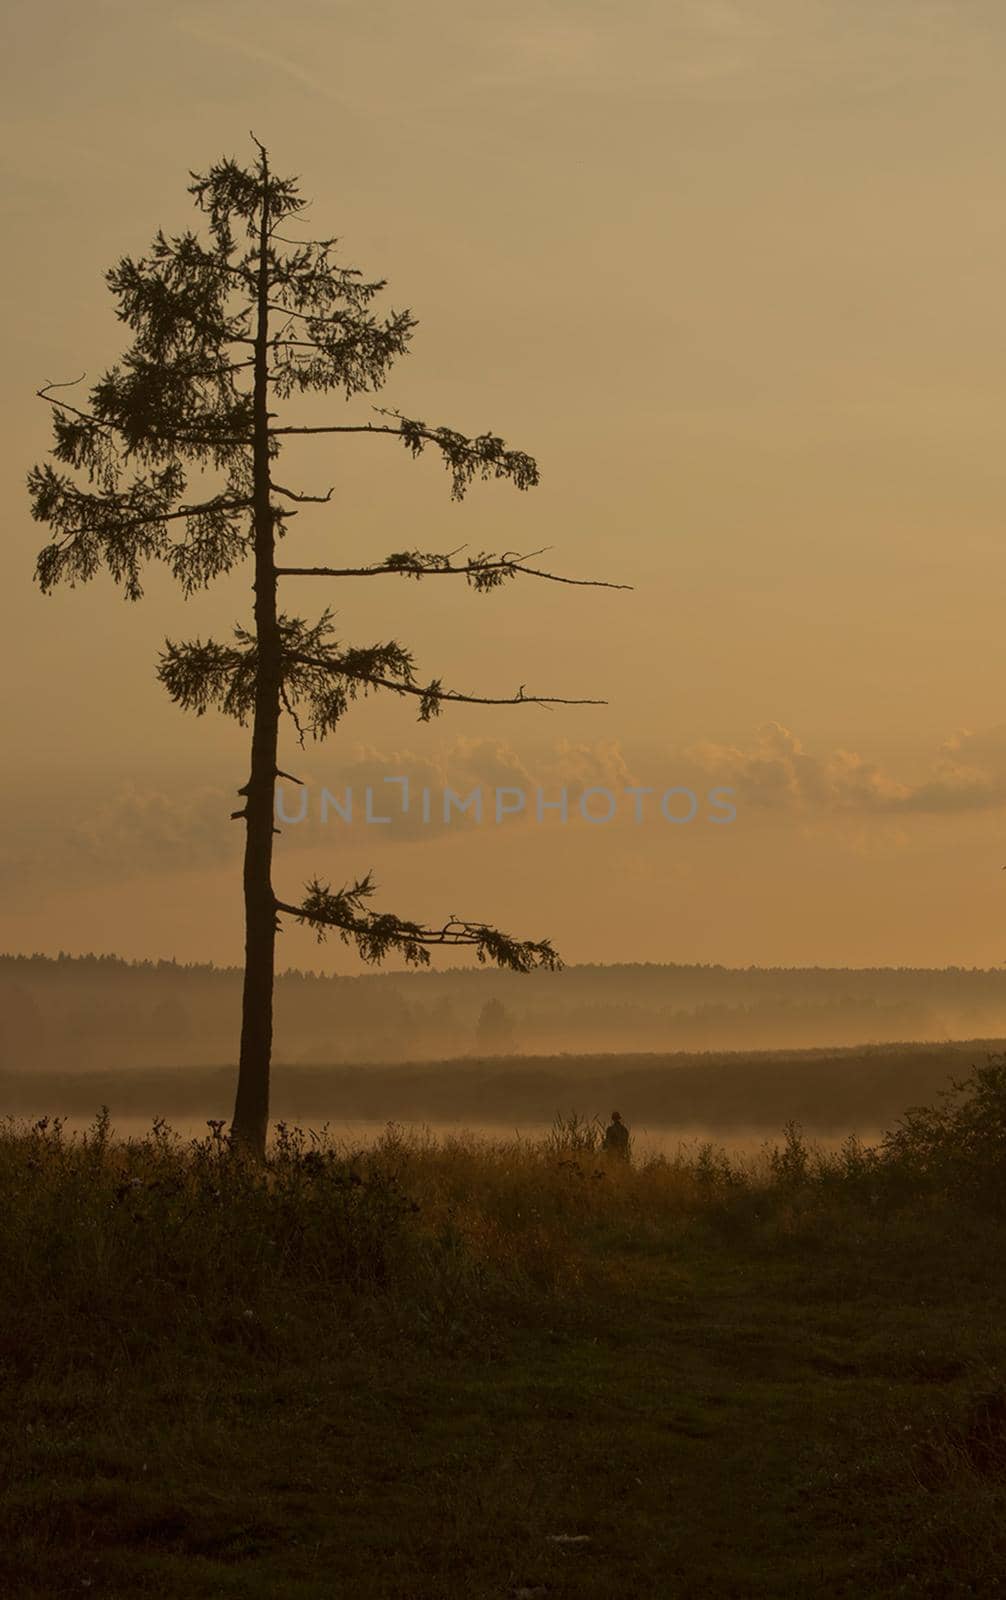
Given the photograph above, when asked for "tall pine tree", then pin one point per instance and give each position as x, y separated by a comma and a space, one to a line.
225, 327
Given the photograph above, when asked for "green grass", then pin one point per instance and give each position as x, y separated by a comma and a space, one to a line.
448, 1369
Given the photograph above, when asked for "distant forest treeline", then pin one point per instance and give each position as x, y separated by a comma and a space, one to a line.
85, 1012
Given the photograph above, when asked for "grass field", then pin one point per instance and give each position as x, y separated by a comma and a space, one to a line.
452, 1369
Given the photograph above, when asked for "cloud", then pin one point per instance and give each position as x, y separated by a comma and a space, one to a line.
67, 840
466, 765
777, 47
194, 24
78, 834
968, 774
703, 48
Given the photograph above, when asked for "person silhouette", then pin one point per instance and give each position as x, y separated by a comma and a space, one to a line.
616, 1138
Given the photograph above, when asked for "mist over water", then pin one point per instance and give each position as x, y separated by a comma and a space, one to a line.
687, 1054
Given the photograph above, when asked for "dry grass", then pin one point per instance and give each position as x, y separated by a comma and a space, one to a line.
402, 1370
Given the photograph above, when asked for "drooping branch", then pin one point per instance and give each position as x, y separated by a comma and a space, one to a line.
99, 444
198, 675
485, 456
214, 543
122, 528
351, 350
154, 407
375, 934
303, 499
177, 299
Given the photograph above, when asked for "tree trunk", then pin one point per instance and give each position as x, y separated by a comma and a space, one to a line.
251, 1107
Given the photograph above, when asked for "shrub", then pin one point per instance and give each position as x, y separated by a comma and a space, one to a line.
957, 1148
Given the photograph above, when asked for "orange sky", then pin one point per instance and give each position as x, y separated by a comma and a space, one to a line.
733, 273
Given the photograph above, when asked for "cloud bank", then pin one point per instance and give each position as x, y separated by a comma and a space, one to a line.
62, 840
968, 774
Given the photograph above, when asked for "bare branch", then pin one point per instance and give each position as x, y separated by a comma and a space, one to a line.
71, 383
291, 711
305, 244
339, 666
360, 427
43, 394
303, 316
304, 499
416, 565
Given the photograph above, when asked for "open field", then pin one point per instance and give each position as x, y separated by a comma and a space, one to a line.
748, 1092
450, 1368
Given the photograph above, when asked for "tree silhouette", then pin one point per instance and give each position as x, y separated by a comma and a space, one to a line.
494, 1030
224, 327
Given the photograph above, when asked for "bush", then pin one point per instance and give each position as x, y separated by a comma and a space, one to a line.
125, 1244
956, 1149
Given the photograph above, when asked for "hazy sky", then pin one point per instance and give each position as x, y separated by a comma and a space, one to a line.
734, 274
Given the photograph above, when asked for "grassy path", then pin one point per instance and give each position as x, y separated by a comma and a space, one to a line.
723, 1419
